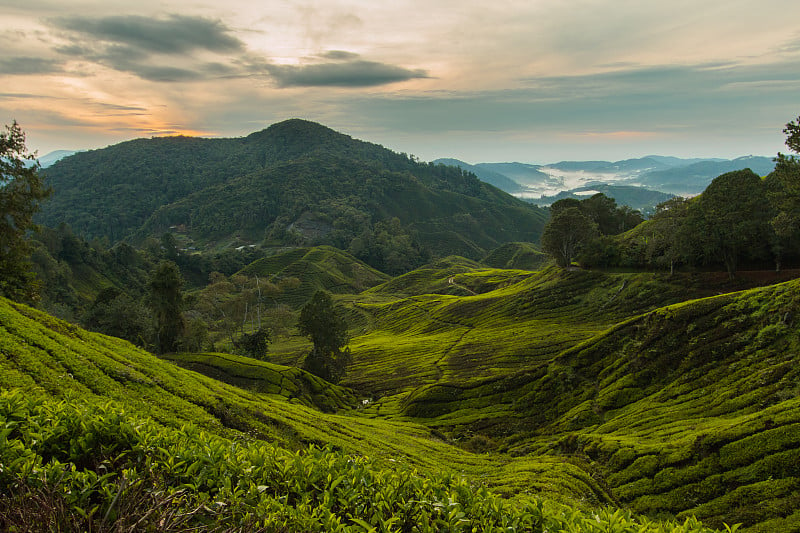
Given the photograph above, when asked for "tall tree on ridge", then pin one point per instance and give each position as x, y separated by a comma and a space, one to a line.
21, 190
166, 301
566, 233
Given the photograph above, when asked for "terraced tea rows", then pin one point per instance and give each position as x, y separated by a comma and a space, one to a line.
49, 358
519, 322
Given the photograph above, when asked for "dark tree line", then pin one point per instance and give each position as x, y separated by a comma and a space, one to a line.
576, 226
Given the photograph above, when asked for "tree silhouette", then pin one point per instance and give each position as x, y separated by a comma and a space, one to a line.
21, 190
321, 320
166, 301
566, 233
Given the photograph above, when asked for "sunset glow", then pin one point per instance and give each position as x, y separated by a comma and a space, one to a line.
531, 81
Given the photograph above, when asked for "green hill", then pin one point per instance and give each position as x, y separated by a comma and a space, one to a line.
296, 182
574, 385
106, 433
638, 390
318, 268
516, 255
682, 407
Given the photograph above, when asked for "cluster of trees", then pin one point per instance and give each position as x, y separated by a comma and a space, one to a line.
740, 217
576, 226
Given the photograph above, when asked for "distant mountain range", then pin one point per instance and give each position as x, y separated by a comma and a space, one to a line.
53, 157
639, 198
656, 177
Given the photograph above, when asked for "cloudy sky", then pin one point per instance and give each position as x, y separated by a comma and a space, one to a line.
508, 80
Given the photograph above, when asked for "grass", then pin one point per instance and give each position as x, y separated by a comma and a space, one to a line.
53, 359
585, 388
317, 268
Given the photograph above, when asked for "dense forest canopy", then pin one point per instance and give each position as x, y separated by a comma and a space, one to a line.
295, 183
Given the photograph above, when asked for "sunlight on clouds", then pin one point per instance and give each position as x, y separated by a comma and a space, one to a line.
505, 72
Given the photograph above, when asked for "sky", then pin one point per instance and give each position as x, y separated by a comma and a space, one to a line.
535, 81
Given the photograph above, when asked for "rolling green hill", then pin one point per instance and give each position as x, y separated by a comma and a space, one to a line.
318, 268
295, 182
105, 433
607, 388
684, 407
649, 392
519, 255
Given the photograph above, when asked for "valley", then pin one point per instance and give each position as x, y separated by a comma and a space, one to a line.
482, 388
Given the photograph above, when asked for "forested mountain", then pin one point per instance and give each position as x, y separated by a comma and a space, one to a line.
501, 181
295, 182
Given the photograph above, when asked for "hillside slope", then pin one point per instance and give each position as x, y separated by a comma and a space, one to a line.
295, 182
692, 408
318, 268
51, 359
580, 385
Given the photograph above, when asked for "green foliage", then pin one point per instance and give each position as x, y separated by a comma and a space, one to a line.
325, 324
288, 382
603, 211
516, 255
389, 248
731, 218
21, 191
301, 272
255, 344
739, 217
95, 467
568, 232
115, 313
792, 131
552, 373
324, 188
166, 301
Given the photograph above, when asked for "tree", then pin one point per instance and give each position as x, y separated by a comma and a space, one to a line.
667, 242
325, 324
602, 210
732, 218
255, 344
115, 313
565, 203
783, 186
792, 131
21, 191
166, 301
566, 233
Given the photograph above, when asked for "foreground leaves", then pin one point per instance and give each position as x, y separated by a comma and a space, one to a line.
70, 466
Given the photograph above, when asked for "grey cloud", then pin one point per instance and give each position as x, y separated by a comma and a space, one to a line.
160, 73
669, 99
133, 43
28, 96
667, 81
28, 65
350, 73
339, 55
162, 50
177, 34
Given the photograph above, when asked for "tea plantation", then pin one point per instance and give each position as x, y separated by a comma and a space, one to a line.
498, 400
